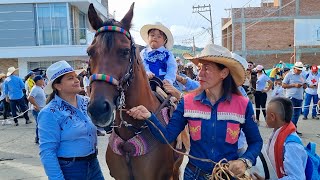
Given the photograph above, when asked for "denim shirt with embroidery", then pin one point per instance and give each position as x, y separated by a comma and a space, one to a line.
214, 136
65, 131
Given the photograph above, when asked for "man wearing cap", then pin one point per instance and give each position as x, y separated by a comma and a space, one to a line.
14, 93
37, 98
311, 93
295, 84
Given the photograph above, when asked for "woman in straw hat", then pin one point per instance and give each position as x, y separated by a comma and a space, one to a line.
67, 136
215, 114
157, 59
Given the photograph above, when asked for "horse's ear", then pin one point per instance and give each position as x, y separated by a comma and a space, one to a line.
126, 20
94, 19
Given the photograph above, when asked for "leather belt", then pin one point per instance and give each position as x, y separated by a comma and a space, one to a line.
85, 158
202, 173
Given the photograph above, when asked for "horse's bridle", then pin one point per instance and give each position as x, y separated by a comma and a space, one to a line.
124, 82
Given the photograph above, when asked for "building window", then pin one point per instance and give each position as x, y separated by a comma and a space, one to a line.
318, 34
44, 65
52, 23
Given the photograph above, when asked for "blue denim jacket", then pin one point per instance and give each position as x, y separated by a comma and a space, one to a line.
212, 144
65, 131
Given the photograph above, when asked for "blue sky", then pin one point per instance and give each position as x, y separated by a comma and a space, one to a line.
178, 17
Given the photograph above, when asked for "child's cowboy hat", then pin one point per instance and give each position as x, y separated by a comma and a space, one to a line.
221, 55
146, 28
56, 70
11, 70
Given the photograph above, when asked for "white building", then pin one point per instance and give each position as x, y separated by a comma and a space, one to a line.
36, 33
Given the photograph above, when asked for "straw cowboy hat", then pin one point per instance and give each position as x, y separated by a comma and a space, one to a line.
56, 70
146, 28
11, 70
298, 65
221, 55
242, 60
2, 75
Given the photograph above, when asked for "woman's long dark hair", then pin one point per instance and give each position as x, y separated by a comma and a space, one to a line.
55, 91
228, 85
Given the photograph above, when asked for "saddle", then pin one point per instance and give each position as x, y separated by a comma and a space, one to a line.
166, 100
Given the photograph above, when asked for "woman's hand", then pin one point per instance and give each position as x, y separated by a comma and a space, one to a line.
238, 167
171, 90
139, 112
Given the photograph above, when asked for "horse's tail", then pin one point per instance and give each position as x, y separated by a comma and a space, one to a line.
177, 164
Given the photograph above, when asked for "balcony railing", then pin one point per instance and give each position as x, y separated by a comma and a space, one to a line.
80, 36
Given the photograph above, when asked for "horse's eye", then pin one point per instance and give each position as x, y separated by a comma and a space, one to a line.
90, 52
125, 52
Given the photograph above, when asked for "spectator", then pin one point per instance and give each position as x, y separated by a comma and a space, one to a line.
29, 83
14, 87
287, 157
278, 90
295, 83
261, 91
37, 98
5, 104
311, 93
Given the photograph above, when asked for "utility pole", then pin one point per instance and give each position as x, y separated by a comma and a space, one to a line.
194, 47
205, 8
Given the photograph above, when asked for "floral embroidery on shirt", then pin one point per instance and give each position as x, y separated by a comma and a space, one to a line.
232, 133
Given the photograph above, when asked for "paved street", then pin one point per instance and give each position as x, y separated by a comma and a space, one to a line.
19, 157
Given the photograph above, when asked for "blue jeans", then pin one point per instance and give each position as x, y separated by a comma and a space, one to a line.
35, 115
23, 107
81, 170
190, 175
307, 102
296, 111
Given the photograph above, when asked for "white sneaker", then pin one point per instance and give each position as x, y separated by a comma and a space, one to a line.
6, 122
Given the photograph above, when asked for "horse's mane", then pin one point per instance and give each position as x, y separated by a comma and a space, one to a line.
106, 39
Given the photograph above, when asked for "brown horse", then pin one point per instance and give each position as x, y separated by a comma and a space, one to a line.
119, 81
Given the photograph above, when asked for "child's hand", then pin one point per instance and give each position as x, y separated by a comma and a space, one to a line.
166, 82
150, 75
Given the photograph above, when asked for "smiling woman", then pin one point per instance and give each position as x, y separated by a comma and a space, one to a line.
67, 136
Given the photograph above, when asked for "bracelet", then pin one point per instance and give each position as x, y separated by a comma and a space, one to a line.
244, 161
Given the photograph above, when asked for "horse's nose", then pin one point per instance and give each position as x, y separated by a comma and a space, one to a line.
100, 112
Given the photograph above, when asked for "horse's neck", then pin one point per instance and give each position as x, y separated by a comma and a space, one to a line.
140, 93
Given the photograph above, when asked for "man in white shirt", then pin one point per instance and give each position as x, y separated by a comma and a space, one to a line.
37, 98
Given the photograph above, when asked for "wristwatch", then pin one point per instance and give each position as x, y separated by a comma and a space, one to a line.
247, 162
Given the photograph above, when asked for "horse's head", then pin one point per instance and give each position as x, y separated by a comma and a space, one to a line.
112, 53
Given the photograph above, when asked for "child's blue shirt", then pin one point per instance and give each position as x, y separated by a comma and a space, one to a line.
160, 62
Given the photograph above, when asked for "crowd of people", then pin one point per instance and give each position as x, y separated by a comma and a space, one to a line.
216, 105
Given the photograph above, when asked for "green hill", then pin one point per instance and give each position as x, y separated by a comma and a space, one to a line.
178, 50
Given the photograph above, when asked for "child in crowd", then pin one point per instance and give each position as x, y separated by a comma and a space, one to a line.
157, 59
278, 90
287, 157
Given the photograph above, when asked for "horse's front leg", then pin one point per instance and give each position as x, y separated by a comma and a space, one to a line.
117, 165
